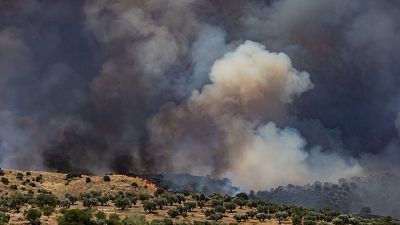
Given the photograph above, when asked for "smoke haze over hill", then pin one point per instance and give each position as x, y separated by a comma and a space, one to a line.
263, 92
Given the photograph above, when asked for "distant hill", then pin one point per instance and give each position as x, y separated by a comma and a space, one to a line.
380, 193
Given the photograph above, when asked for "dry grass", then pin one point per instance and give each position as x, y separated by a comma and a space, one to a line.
55, 182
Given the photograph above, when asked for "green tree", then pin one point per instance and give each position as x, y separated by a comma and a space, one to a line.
138, 219
106, 178
251, 213
242, 196
48, 210
190, 205
296, 220
230, 206
46, 199
261, 216
114, 219
337, 221
90, 202
149, 206
76, 217
4, 218
33, 216
173, 213
122, 203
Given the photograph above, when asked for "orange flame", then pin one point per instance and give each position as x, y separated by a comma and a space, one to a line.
149, 184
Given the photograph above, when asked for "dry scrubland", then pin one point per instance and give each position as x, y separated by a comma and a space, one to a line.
135, 196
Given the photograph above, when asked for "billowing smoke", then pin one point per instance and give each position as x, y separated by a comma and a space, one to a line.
225, 129
195, 86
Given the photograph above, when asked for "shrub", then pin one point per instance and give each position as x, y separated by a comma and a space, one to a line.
19, 176
190, 205
48, 210
134, 185
4, 218
296, 220
5, 181
219, 209
39, 178
251, 213
136, 219
173, 213
261, 216
88, 180
71, 198
90, 202
242, 195
76, 216
46, 199
215, 216
122, 203
2, 173
33, 215
14, 187
65, 203
230, 206
106, 178
309, 222
114, 219
28, 173
337, 221
149, 206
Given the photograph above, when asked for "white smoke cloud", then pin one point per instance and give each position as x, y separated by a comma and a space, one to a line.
235, 134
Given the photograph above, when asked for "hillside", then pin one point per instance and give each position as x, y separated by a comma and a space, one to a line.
124, 200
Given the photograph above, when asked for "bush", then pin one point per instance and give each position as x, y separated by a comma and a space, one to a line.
46, 199
5, 181
4, 218
14, 187
251, 213
48, 210
28, 173
76, 216
114, 219
219, 209
309, 222
122, 203
39, 178
19, 176
296, 220
190, 205
230, 206
88, 180
173, 213
242, 195
33, 216
106, 178
149, 206
65, 203
90, 202
215, 216
71, 198
261, 216
337, 221
2, 173
136, 219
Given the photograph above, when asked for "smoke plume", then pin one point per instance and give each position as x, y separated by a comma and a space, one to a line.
204, 87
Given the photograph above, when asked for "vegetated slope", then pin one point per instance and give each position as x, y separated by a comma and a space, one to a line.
190, 183
64, 199
58, 183
380, 193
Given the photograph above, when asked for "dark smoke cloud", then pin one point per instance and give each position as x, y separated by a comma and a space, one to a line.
135, 86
